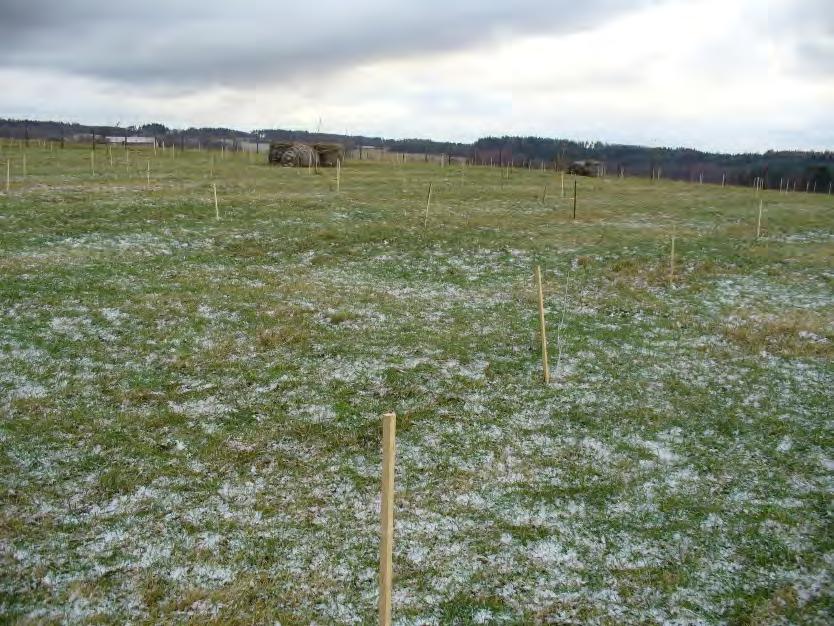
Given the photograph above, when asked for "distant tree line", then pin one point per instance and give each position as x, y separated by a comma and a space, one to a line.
809, 170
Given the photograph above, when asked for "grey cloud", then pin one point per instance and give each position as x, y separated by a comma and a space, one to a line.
189, 43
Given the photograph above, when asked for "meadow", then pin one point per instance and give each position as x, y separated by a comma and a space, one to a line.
190, 405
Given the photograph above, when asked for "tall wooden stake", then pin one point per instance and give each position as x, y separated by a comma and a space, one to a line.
93, 162
149, 174
8, 175
563, 184
672, 262
386, 516
216, 206
338, 175
545, 365
428, 202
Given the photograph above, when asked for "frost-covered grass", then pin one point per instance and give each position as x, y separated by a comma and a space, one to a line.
189, 408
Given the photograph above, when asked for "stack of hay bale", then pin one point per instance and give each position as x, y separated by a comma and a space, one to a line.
301, 155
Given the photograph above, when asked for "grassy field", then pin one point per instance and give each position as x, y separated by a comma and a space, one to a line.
190, 407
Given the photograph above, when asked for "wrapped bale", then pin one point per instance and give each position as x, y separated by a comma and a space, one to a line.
277, 150
329, 153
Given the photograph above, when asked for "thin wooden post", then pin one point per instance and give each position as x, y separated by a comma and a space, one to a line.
672, 262
545, 365
149, 174
428, 202
574, 198
723, 178
93, 162
110, 154
544, 193
386, 516
563, 184
338, 175
8, 175
216, 206
759, 223
24, 165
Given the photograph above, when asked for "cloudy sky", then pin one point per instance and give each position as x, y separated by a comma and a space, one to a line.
731, 75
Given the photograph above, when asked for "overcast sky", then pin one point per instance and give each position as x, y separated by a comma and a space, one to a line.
731, 75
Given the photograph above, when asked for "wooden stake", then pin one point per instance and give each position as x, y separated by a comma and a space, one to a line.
563, 184
149, 174
672, 262
216, 206
428, 202
759, 223
723, 179
544, 193
8, 175
24, 165
110, 153
545, 366
338, 175
386, 516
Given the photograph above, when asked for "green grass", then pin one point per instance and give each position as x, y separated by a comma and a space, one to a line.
190, 407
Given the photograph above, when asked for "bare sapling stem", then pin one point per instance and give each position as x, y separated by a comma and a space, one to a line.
560, 327
672, 261
759, 222
545, 365
386, 517
574, 198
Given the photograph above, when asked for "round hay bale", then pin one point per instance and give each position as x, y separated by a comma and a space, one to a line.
277, 150
299, 155
329, 153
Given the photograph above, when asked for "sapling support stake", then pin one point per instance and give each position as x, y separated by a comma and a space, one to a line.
216, 206
428, 203
386, 516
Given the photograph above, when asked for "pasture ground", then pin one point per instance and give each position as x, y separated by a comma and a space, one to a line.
190, 407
